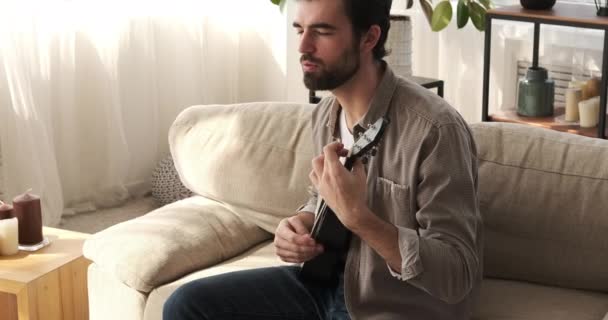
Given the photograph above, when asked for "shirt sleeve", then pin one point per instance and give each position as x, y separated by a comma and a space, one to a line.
441, 257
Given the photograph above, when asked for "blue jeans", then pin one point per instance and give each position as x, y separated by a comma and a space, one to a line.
266, 293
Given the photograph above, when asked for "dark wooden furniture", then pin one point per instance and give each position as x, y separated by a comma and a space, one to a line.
562, 14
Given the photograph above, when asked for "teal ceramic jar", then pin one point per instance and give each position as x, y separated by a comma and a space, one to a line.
536, 91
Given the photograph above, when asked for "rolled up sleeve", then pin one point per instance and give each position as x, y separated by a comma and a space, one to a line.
411, 265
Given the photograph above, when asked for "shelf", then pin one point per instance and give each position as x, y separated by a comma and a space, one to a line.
561, 13
544, 122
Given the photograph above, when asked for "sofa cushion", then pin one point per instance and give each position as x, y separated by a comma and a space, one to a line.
171, 241
543, 197
260, 256
516, 300
242, 154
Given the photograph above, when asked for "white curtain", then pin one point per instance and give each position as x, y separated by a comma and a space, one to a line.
88, 89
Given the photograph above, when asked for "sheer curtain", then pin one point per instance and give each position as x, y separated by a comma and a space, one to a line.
88, 89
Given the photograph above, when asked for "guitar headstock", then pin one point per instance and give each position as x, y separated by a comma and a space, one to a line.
369, 139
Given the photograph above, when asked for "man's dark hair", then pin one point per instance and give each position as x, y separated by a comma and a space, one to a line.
365, 13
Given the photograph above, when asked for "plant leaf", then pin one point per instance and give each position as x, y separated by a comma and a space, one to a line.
427, 8
486, 4
277, 2
441, 16
462, 14
478, 15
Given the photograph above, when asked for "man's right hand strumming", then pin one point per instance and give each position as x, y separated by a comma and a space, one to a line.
292, 240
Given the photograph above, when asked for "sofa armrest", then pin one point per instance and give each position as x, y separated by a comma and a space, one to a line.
171, 242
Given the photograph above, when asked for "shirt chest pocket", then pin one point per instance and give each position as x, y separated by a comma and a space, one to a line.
392, 203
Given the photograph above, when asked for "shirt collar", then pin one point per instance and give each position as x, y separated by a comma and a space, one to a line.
378, 106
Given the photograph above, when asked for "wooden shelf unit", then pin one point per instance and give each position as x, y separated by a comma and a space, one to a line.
562, 14
544, 122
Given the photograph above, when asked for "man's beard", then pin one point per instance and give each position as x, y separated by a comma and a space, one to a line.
331, 77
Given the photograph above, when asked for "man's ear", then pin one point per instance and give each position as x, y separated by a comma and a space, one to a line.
371, 38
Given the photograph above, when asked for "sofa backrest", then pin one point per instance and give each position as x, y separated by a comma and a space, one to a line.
254, 158
544, 201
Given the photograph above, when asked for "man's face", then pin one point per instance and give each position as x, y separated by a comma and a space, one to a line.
330, 52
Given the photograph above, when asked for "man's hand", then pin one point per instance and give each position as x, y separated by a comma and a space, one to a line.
344, 191
292, 240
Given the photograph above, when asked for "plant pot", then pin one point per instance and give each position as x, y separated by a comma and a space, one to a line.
537, 4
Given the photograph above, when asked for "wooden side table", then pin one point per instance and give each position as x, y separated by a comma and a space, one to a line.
48, 284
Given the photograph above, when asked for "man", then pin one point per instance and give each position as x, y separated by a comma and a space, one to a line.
415, 252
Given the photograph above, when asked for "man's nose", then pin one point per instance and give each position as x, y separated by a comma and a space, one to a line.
306, 43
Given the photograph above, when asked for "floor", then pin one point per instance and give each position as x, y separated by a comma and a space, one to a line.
96, 221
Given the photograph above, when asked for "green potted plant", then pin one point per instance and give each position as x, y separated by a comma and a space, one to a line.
440, 16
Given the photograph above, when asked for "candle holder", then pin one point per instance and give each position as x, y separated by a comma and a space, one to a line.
35, 247
602, 7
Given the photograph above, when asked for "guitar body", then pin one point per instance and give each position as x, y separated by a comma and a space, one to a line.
335, 239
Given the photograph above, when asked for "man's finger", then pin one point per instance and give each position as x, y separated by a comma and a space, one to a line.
285, 231
317, 165
314, 178
302, 254
331, 151
289, 234
286, 245
298, 226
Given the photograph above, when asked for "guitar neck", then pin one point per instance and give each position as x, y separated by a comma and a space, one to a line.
349, 162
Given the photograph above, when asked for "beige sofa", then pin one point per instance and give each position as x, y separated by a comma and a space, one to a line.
543, 196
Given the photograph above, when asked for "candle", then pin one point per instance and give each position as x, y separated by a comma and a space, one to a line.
9, 231
28, 212
573, 97
589, 112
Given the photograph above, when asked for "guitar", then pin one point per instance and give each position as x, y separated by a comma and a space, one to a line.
327, 228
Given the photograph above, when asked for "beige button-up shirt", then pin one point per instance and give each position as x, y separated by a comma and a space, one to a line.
424, 181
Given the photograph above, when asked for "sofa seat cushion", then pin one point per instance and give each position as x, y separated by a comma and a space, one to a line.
516, 300
171, 241
261, 256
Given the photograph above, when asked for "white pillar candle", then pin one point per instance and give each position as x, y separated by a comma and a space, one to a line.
589, 112
9, 231
573, 97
